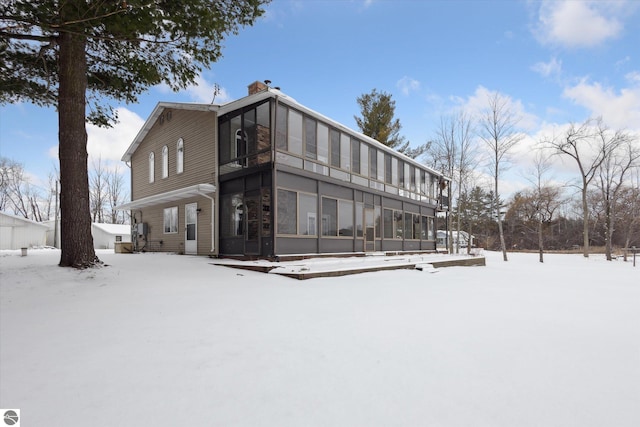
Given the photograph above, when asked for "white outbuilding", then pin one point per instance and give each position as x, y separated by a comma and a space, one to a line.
17, 232
105, 236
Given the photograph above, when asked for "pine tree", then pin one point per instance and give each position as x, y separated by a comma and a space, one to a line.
378, 122
73, 54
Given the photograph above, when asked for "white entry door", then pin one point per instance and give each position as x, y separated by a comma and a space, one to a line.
191, 229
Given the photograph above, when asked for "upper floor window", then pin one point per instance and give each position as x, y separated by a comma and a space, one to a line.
180, 156
152, 167
165, 161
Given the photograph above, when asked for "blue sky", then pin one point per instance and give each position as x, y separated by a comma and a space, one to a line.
557, 61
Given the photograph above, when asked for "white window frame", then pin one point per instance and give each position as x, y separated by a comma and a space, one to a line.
152, 167
180, 156
172, 215
165, 161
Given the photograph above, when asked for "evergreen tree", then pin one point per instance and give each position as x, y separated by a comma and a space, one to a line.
378, 122
72, 53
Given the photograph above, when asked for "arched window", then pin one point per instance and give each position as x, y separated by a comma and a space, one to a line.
180, 156
165, 161
152, 167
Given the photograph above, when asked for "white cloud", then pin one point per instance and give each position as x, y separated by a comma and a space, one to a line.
477, 104
633, 77
201, 91
617, 109
553, 68
408, 85
109, 144
578, 23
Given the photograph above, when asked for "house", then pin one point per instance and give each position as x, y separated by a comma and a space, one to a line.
265, 176
17, 232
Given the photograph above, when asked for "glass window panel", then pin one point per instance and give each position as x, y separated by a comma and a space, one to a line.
165, 161
253, 216
170, 220
250, 132
394, 171
378, 220
329, 217
311, 146
236, 136
381, 176
401, 174
335, 148
287, 212
355, 155
423, 230
262, 115
416, 227
345, 152
281, 127
387, 168
432, 231
407, 176
408, 226
232, 216
345, 218
397, 224
307, 219
152, 167
412, 176
388, 224
373, 163
237, 215
359, 218
423, 182
364, 159
180, 156
295, 132
323, 143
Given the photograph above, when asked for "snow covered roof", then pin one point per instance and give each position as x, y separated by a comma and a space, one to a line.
113, 228
9, 220
279, 96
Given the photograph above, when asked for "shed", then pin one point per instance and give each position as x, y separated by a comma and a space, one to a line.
17, 232
106, 235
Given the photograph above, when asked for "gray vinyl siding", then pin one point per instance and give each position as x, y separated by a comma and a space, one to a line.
198, 130
158, 241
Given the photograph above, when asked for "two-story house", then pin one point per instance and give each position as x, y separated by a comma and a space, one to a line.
265, 176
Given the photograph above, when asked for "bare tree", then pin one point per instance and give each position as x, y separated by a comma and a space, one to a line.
453, 153
18, 195
115, 187
97, 190
546, 198
497, 128
621, 159
588, 148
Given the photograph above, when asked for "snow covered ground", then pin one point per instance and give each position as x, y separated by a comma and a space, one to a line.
166, 340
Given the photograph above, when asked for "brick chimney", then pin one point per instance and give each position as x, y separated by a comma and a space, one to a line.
256, 87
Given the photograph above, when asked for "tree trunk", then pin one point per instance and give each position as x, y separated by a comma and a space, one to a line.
75, 225
540, 242
585, 226
503, 245
608, 230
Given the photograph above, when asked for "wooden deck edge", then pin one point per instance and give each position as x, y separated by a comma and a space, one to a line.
463, 262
